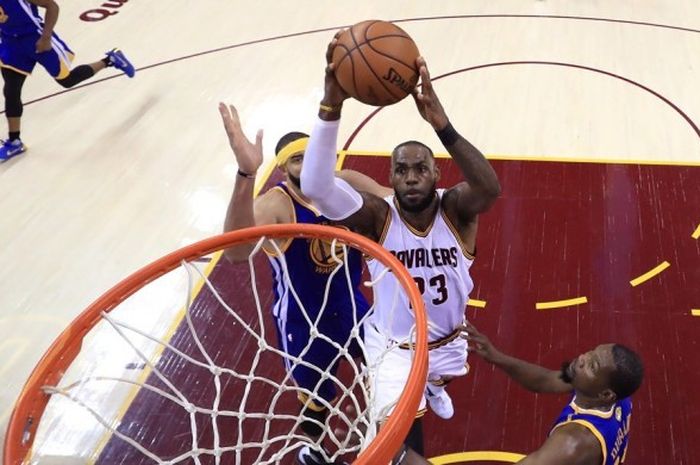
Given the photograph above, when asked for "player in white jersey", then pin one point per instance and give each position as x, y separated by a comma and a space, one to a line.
432, 232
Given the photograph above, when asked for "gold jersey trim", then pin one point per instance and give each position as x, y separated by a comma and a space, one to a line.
453, 229
596, 413
302, 202
385, 231
415, 231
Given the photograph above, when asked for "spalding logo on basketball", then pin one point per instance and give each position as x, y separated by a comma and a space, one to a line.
375, 62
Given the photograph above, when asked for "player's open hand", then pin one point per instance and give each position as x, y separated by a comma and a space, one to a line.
248, 155
334, 95
426, 99
479, 343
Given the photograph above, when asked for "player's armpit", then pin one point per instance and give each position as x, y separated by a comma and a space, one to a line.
273, 207
569, 444
370, 219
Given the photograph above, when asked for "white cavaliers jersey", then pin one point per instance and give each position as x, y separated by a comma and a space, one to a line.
438, 262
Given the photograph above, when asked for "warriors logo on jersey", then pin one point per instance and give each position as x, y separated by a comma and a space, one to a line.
325, 255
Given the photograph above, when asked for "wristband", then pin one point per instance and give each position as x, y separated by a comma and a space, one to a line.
330, 109
245, 175
447, 135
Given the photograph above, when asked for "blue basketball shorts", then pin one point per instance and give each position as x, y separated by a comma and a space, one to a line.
19, 54
318, 354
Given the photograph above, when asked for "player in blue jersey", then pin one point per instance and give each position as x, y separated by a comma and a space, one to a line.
593, 429
27, 39
308, 261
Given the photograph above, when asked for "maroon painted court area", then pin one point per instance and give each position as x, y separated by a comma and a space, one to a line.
560, 231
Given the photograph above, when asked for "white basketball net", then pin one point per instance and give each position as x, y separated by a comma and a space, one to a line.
263, 433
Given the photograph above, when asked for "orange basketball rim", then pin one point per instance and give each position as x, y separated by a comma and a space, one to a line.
32, 400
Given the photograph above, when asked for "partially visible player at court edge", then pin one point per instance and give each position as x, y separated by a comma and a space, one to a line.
431, 231
25, 40
285, 203
593, 429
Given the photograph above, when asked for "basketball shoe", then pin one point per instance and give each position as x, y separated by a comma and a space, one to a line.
440, 402
11, 148
117, 59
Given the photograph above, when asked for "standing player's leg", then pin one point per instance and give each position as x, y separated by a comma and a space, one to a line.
17, 59
12, 90
321, 356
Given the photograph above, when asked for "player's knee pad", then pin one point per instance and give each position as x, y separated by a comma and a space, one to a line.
77, 75
313, 421
12, 90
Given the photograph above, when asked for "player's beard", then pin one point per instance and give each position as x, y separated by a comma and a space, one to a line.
420, 206
564, 374
295, 180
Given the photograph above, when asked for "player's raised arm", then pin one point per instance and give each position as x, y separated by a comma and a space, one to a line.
532, 377
243, 211
334, 197
482, 188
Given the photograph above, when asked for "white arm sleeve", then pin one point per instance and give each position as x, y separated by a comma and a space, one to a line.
335, 198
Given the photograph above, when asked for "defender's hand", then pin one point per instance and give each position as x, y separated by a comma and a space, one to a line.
426, 99
479, 343
248, 155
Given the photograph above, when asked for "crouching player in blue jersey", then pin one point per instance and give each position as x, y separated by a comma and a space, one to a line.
27, 39
307, 263
593, 428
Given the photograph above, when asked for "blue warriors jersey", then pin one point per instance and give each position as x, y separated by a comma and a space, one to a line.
309, 265
19, 17
611, 428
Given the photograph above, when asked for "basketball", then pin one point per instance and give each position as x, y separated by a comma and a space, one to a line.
375, 62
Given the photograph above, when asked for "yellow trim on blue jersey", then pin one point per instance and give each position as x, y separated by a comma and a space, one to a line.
301, 201
588, 425
411, 228
308, 402
462, 245
283, 248
3, 65
595, 413
65, 64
